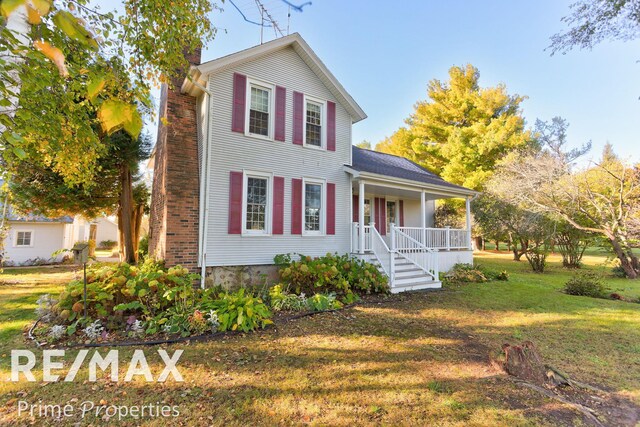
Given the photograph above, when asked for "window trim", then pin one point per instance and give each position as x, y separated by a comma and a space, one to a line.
272, 106
15, 239
246, 174
323, 206
323, 122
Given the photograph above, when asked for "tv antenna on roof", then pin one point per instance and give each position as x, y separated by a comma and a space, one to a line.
267, 11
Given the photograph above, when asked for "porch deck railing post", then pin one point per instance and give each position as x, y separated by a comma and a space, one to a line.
392, 236
468, 206
448, 238
372, 226
361, 216
423, 217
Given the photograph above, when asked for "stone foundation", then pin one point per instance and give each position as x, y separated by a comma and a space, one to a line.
241, 276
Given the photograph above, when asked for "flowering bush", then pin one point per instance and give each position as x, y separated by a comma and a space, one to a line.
341, 274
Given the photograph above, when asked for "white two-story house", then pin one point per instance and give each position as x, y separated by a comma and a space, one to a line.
255, 158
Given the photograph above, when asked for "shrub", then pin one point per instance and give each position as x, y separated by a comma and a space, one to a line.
152, 299
322, 302
108, 244
465, 273
143, 246
281, 300
237, 311
586, 283
341, 274
618, 271
494, 275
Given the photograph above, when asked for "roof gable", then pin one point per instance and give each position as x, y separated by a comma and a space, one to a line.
295, 41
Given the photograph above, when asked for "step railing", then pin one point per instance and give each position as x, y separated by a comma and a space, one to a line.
382, 252
411, 249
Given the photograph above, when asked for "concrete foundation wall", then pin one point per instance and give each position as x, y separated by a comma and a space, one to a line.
447, 259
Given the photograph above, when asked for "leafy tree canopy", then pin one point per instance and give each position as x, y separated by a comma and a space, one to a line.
593, 21
462, 130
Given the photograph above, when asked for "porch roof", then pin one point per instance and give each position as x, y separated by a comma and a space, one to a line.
388, 165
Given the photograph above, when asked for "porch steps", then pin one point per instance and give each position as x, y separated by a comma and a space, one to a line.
408, 277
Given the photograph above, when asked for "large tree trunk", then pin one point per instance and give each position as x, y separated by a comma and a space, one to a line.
130, 255
627, 263
479, 243
93, 232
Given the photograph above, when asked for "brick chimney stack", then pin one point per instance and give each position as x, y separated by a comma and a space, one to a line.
173, 223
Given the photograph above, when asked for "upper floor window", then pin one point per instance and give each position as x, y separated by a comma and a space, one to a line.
314, 126
260, 111
23, 238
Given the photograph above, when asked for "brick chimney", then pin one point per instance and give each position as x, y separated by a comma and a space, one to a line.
173, 223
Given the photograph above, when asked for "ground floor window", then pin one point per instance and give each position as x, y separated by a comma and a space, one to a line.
256, 203
313, 207
23, 238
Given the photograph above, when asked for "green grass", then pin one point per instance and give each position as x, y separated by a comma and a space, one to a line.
416, 359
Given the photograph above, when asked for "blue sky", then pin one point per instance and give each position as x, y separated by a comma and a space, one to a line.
384, 53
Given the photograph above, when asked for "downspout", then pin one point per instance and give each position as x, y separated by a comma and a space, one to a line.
205, 176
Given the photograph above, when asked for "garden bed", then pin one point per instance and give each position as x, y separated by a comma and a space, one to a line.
150, 304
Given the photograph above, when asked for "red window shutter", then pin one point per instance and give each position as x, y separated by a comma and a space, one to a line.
239, 100
355, 206
331, 208
235, 202
281, 96
296, 206
376, 212
331, 126
278, 205
298, 117
383, 217
401, 207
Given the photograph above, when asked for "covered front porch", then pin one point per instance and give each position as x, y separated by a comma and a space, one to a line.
393, 226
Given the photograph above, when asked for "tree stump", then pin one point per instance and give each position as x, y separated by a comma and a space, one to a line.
524, 362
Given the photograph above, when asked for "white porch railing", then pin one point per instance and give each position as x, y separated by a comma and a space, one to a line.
439, 238
414, 251
373, 242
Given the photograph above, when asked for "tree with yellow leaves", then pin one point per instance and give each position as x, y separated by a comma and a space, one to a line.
462, 130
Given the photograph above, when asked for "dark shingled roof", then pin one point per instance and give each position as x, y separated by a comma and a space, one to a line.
397, 167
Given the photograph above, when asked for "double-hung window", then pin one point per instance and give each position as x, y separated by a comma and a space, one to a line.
314, 123
24, 238
260, 117
314, 206
257, 201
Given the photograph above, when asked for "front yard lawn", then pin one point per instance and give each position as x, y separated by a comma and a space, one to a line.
414, 359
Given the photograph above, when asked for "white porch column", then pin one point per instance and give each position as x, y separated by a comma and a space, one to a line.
468, 203
361, 217
423, 217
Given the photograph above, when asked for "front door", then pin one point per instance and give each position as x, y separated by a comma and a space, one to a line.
392, 215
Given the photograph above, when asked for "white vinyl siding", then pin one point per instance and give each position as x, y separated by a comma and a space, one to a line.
232, 151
